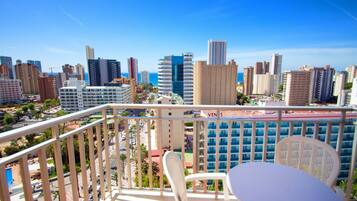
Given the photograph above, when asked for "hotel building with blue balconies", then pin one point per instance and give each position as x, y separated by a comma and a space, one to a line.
244, 138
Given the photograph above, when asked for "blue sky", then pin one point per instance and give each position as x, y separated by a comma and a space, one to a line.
312, 32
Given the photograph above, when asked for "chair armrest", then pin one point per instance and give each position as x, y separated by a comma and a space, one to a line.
205, 176
208, 176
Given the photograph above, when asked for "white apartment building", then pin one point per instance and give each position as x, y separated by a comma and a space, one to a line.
352, 72
76, 95
176, 76
340, 79
10, 91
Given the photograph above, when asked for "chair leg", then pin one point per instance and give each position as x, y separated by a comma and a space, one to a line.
225, 190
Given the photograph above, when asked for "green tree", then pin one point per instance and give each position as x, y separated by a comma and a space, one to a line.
31, 106
242, 99
348, 85
343, 185
125, 113
281, 88
25, 108
61, 113
8, 119
18, 114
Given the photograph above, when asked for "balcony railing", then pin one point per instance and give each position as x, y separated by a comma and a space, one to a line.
109, 134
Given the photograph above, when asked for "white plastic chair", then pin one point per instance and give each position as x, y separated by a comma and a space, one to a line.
312, 156
175, 174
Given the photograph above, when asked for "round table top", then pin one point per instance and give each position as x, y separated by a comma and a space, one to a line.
268, 181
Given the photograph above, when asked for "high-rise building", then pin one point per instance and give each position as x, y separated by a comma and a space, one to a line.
133, 69
215, 84
35, 63
339, 83
297, 88
248, 80
265, 84
68, 70
28, 74
217, 52
176, 76
76, 96
145, 77
321, 83
275, 66
4, 71
47, 87
89, 52
7, 62
80, 71
60, 79
103, 71
261, 67
352, 72
10, 91
354, 92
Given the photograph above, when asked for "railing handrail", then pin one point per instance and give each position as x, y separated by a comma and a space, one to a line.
40, 126
33, 128
228, 107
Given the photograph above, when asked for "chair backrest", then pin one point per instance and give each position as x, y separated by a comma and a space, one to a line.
175, 174
312, 156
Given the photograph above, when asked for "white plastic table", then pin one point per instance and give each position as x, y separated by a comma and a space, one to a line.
258, 181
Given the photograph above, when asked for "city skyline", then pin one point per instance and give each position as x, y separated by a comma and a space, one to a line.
302, 37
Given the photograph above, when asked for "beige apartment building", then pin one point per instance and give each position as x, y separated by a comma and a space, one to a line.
173, 133
28, 74
248, 80
297, 92
265, 84
215, 84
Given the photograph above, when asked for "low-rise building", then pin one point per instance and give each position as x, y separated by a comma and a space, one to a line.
76, 95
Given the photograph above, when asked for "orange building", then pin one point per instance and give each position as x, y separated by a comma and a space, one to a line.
47, 87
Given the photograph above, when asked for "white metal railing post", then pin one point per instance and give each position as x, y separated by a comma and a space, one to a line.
58, 163
107, 153
72, 169
340, 132
4, 188
117, 147
100, 160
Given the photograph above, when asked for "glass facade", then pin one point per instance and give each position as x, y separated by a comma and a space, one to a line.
296, 127
177, 75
